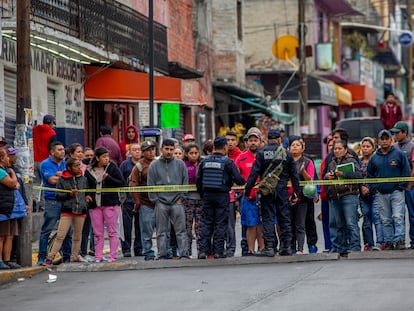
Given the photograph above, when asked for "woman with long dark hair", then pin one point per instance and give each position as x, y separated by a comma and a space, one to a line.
104, 208
344, 199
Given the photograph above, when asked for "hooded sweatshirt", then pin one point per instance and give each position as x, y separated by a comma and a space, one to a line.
124, 144
392, 164
167, 172
43, 136
76, 204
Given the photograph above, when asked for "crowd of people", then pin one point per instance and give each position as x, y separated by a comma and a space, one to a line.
277, 212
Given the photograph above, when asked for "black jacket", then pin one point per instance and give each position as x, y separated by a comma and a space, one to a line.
335, 192
264, 157
76, 204
113, 180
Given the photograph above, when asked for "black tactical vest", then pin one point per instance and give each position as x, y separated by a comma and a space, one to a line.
213, 173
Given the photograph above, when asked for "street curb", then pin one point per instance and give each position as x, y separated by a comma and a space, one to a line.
140, 264
23, 273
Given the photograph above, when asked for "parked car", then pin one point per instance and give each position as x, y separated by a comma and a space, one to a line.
361, 127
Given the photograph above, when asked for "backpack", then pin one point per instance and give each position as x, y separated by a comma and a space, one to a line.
270, 177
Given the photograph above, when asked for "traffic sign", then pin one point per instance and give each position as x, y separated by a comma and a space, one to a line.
405, 38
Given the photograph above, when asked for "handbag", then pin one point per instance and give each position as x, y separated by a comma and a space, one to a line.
19, 209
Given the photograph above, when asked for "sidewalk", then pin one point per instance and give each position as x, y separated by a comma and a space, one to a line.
138, 263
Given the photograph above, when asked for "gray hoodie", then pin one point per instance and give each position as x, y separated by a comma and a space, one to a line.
167, 172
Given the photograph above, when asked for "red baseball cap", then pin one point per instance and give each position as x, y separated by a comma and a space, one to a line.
188, 137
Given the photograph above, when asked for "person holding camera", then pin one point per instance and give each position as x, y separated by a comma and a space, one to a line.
344, 198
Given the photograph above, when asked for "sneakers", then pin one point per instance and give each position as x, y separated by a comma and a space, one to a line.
13, 265
217, 256
299, 253
127, 254
313, 249
202, 256
149, 258
79, 259
367, 248
40, 262
266, 252
388, 247
400, 245
101, 260
285, 251
48, 262
377, 247
3, 266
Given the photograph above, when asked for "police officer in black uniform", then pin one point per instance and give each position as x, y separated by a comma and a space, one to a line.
215, 177
279, 198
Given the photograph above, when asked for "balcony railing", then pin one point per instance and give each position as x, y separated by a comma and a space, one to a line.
107, 24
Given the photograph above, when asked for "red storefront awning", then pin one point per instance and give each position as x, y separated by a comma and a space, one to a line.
362, 96
130, 86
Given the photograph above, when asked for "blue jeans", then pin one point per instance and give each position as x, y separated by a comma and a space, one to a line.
50, 216
332, 227
325, 224
409, 201
346, 217
371, 217
147, 225
130, 218
391, 208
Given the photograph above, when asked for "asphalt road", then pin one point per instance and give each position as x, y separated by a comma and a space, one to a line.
329, 285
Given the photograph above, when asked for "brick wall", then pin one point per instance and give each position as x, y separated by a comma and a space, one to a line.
228, 53
180, 32
160, 8
266, 20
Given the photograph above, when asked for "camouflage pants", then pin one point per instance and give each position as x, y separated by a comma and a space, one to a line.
193, 217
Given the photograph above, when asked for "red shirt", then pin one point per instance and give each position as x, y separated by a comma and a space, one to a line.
41, 140
244, 163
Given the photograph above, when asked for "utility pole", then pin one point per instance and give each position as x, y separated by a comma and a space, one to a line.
303, 90
410, 60
151, 60
23, 101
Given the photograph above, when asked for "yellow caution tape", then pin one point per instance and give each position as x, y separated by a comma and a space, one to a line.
186, 188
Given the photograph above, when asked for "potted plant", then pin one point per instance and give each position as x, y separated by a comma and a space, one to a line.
356, 42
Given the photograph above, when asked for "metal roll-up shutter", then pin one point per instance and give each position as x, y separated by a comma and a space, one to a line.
51, 101
10, 102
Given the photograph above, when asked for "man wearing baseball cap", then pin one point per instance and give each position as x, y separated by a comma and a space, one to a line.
188, 139
387, 162
251, 227
43, 136
142, 204
215, 177
404, 143
267, 159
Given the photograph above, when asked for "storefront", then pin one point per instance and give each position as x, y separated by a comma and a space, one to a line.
56, 88
118, 97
